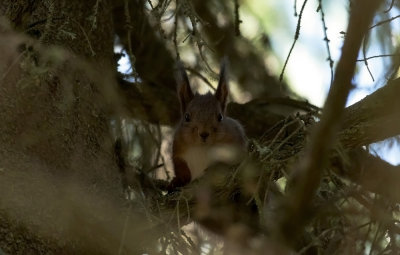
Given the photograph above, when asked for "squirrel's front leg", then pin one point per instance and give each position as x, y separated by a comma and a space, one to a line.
182, 174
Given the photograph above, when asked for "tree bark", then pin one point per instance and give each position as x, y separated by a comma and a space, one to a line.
374, 118
57, 106
55, 118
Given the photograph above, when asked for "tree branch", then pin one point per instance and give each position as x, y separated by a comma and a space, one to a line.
371, 173
374, 118
309, 169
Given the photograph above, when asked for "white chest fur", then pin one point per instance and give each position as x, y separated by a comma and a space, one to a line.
198, 159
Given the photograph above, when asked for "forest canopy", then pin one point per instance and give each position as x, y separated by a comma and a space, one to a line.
89, 107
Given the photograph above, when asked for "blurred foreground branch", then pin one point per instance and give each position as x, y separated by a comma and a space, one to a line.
308, 172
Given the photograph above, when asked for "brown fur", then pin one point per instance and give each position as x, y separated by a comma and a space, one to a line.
201, 116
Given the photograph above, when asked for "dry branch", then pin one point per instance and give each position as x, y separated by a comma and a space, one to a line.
309, 170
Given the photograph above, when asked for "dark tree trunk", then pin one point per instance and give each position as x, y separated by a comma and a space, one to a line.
54, 126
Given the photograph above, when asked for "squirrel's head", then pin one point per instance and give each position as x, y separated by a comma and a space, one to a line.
203, 116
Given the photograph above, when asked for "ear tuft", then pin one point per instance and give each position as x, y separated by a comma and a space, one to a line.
184, 91
222, 91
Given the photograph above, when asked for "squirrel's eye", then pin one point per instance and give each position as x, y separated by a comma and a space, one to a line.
220, 117
187, 117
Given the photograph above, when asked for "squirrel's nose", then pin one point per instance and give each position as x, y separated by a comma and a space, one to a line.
204, 135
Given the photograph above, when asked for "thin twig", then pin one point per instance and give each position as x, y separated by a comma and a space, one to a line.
176, 31
296, 36
384, 21
94, 15
390, 7
373, 244
87, 38
286, 140
378, 56
202, 77
49, 22
364, 46
282, 130
10, 67
326, 39
200, 42
237, 18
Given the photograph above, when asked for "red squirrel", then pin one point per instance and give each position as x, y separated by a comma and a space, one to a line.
204, 130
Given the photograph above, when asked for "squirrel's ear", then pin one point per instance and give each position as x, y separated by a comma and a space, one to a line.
222, 91
184, 91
